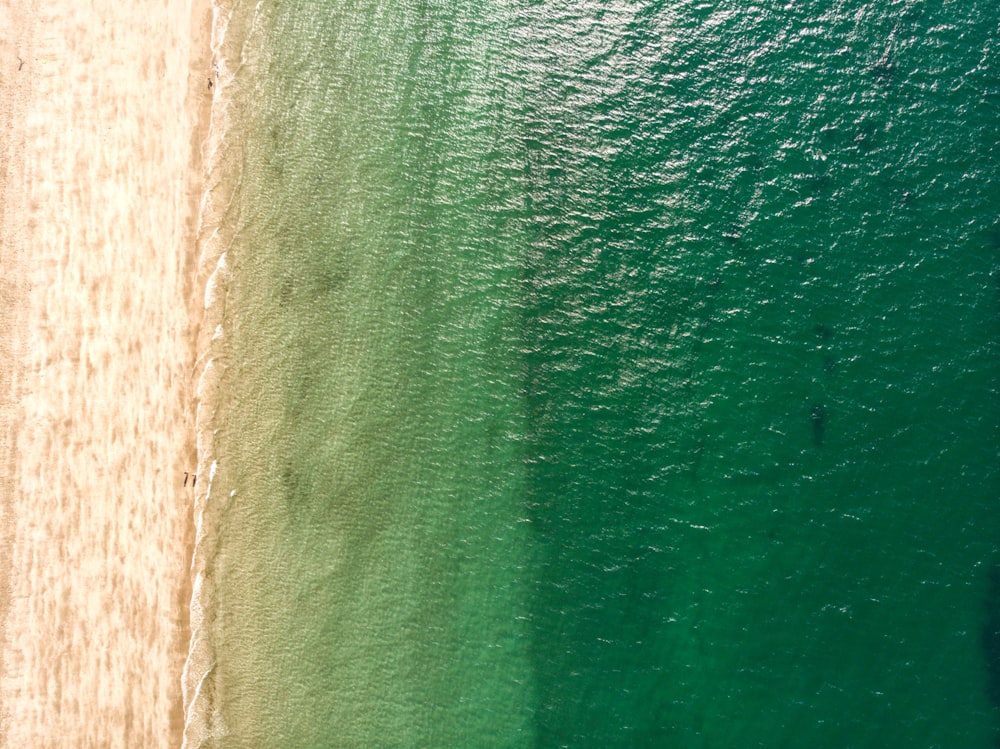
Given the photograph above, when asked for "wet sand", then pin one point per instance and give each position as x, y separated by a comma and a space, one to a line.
103, 108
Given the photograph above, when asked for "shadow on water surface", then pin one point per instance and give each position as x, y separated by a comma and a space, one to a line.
991, 635
990, 641
818, 417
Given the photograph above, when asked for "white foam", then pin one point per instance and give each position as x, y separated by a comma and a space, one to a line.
202, 720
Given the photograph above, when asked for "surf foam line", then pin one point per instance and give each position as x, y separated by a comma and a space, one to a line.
203, 718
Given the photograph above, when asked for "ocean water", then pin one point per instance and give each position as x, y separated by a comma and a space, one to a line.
601, 374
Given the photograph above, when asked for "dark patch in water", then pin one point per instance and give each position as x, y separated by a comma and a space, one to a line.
824, 333
994, 237
818, 416
868, 137
285, 291
884, 70
819, 182
990, 641
990, 638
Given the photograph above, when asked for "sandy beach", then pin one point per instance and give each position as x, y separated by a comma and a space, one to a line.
103, 108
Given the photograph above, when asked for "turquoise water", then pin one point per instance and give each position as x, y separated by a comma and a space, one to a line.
605, 375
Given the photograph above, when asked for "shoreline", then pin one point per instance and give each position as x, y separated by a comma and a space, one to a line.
201, 99
103, 179
203, 720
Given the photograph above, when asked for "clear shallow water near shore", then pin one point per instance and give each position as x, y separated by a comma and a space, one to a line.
603, 376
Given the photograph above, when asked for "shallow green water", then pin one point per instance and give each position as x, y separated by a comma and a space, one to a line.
608, 375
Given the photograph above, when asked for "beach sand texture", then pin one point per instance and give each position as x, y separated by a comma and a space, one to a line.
103, 111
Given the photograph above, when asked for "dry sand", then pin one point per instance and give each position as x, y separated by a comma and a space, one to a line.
103, 106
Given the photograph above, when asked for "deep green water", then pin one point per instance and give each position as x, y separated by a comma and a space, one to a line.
604, 375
